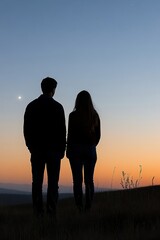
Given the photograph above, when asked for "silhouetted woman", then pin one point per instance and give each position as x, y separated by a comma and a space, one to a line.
83, 137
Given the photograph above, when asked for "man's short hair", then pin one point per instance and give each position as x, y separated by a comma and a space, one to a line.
48, 84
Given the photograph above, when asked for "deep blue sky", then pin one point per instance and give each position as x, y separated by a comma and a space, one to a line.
109, 47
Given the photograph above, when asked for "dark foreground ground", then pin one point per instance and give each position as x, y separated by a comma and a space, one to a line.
124, 214
19, 199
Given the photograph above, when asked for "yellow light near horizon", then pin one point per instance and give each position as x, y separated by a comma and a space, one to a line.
113, 158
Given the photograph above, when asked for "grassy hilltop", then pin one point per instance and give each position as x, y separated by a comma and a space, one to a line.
124, 214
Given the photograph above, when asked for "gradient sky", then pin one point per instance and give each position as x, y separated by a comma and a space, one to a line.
110, 48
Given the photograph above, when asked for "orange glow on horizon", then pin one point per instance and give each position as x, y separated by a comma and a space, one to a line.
113, 158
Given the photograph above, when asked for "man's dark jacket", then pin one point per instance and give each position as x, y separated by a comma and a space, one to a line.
44, 125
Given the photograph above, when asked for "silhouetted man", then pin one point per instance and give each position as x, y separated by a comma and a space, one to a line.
45, 136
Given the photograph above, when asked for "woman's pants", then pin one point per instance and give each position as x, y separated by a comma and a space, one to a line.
83, 159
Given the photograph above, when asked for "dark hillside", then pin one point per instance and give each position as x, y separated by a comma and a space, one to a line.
124, 214
7, 199
14, 199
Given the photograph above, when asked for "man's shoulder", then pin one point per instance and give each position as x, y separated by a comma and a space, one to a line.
42, 101
32, 103
56, 103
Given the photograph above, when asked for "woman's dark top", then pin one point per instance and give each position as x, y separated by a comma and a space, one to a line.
79, 132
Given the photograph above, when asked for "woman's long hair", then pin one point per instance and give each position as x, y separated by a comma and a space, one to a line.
87, 113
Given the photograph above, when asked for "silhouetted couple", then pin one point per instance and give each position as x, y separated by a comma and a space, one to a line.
45, 137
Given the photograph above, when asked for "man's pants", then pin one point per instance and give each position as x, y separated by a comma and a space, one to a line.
38, 162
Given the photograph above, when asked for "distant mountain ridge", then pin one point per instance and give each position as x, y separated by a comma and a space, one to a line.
13, 188
16, 187
13, 194
13, 191
27, 188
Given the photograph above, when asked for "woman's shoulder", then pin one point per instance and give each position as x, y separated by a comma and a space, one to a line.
73, 113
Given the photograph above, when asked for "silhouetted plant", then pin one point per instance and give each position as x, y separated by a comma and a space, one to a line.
128, 182
153, 181
112, 177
